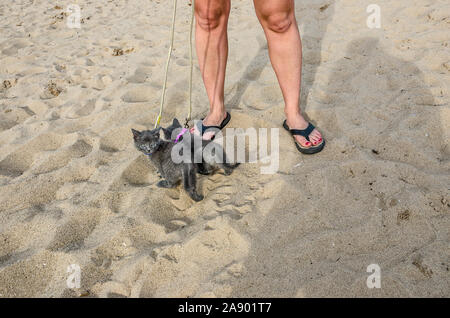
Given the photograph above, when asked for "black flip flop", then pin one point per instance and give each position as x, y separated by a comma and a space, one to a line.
222, 125
305, 133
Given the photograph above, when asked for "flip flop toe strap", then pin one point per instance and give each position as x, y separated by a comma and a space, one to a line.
203, 128
304, 132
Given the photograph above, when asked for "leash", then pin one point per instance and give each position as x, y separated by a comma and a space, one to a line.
191, 27
169, 55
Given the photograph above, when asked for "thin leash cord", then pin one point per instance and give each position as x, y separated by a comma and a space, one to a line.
188, 118
163, 95
161, 107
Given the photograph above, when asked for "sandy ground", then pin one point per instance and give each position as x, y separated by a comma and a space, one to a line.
73, 190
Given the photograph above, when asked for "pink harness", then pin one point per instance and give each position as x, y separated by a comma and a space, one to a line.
183, 131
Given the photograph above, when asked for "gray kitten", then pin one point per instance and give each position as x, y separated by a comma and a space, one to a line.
159, 151
209, 162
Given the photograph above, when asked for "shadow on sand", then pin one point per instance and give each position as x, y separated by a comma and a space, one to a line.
292, 253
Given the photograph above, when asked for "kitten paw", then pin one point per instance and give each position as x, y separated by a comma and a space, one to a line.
227, 172
204, 172
164, 184
196, 197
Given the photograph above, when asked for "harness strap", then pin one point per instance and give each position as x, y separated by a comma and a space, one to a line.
304, 132
183, 131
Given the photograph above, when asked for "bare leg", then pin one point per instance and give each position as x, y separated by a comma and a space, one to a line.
211, 40
277, 18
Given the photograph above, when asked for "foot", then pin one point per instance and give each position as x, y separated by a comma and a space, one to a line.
201, 169
228, 168
212, 119
195, 196
296, 121
227, 171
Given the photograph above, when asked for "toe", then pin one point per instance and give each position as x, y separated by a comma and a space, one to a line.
315, 137
303, 142
208, 135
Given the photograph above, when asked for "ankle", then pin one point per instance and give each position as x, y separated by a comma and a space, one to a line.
295, 119
293, 114
214, 117
217, 112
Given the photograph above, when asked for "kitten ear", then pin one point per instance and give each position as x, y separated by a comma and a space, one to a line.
157, 131
136, 133
176, 123
166, 133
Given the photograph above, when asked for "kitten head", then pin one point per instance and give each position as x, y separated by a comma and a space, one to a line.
147, 141
171, 132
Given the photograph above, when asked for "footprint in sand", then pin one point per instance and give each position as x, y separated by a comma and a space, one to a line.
71, 235
116, 139
10, 243
140, 75
137, 174
262, 98
15, 280
61, 158
19, 161
16, 46
139, 95
12, 116
78, 110
87, 109
182, 62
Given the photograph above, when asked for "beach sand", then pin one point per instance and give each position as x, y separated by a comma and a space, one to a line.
74, 190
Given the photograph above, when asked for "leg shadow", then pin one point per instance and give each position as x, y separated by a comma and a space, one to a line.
252, 73
380, 102
313, 17
377, 101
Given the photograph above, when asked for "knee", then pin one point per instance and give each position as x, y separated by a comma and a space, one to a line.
211, 18
279, 23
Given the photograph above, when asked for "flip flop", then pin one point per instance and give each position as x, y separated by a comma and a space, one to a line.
202, 128
305, 133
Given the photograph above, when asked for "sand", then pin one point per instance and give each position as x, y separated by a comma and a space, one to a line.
73, 189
